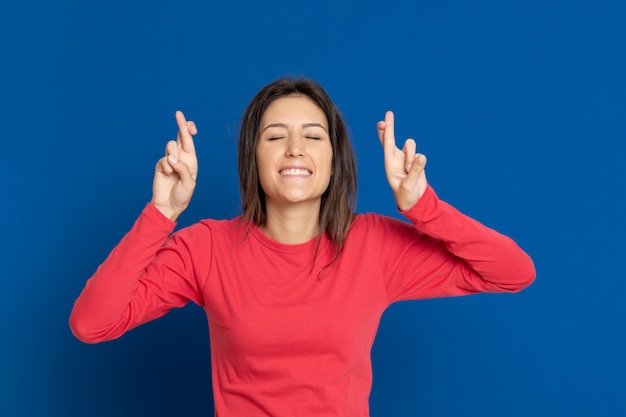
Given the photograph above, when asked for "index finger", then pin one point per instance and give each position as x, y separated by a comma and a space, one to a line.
184, 134
386, 132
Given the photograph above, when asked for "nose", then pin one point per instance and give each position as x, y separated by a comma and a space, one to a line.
295, 147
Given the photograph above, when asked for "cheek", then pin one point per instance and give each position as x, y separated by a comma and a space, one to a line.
261, 174
330, 162
261, 162
264, 169
327, 169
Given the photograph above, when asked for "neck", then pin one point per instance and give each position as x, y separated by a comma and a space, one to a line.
292, 223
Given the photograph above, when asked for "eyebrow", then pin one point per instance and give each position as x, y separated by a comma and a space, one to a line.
284, 125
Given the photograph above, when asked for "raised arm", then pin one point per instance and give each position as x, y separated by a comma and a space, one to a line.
463, 256
141, 280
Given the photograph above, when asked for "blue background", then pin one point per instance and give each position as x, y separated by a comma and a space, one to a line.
519, 105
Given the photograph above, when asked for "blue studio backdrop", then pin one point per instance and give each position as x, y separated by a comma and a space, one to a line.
519, 106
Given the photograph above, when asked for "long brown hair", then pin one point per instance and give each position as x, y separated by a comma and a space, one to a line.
338, 201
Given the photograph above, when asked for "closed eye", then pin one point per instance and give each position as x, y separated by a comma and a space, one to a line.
314, 137
275, 137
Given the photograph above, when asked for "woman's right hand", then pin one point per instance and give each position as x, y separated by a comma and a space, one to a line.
175, 174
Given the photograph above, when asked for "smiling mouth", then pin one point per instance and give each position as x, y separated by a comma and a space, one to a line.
295, 172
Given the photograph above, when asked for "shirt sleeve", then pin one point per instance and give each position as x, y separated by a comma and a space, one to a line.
147, 274
447, 253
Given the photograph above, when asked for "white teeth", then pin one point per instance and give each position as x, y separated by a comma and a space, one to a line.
295, 171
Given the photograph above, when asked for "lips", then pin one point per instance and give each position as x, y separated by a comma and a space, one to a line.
295, 172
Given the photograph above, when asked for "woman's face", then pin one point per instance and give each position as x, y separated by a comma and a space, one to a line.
294, 154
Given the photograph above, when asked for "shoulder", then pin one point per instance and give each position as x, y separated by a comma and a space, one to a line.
220, 229
373, 224
366, 220
227, 226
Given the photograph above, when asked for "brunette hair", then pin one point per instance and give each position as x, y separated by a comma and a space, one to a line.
338, 201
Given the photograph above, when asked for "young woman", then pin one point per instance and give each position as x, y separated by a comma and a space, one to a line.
295, 287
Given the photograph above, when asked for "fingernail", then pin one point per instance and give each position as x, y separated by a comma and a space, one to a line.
173, 159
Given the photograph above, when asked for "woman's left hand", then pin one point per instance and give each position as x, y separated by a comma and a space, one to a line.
404, 167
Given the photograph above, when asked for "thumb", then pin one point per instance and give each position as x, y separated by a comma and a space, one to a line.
413, 185
182, 169
417, 168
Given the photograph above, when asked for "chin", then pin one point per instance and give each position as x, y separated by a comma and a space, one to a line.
297, 199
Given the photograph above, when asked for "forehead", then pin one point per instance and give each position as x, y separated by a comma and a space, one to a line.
293, 110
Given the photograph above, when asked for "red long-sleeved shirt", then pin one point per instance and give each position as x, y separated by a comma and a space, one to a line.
289, 334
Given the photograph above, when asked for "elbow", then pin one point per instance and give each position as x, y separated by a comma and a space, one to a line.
90, 332
82, 331
525, 275
530, 272
79, 330
522, 284
514, 278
